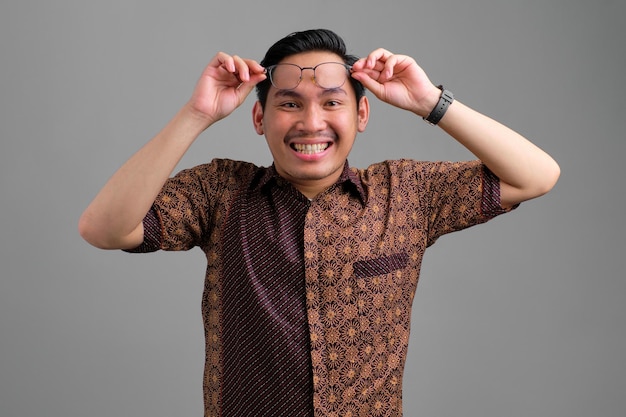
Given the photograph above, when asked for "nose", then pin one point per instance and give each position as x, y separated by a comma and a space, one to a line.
313, 118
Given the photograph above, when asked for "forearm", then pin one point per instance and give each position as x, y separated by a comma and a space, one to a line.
114, 218
525, 171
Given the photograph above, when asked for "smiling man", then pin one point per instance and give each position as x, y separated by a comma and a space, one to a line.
311, 118
312, 265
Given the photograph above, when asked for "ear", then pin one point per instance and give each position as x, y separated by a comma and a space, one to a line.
363, 114
257, 118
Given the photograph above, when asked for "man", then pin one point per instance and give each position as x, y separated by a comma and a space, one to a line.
312, 264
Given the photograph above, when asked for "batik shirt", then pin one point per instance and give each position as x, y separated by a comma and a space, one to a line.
313, 298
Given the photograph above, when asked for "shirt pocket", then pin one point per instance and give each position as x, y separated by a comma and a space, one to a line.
379, 266
383, 298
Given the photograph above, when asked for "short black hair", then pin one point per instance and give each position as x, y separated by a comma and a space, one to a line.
305, 41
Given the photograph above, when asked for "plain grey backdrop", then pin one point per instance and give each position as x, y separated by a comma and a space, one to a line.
523, 316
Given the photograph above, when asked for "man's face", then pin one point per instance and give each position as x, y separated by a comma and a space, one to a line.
310, 130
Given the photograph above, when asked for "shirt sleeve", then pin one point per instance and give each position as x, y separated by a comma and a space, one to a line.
183, 214
178, 219
491, 197
458, 195
152, 237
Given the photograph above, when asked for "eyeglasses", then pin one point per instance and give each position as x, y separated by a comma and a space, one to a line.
326, 75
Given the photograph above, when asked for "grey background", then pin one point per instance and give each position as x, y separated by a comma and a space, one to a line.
523, 316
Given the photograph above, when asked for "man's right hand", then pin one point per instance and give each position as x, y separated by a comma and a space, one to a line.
114, 218
224, 85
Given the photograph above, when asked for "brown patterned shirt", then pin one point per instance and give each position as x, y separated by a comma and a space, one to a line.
345, 264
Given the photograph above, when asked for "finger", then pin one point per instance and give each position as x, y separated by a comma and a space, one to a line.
248, 69
388, 70
359, 64
245, 88
370, 73
225, 61
255, 67
379, 55
369, 82
241, 69
367, 62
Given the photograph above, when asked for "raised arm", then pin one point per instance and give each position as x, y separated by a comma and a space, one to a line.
114, 218
525, 171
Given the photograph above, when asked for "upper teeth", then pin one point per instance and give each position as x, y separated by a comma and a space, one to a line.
310, 148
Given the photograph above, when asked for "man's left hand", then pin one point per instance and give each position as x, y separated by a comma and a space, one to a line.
397, 80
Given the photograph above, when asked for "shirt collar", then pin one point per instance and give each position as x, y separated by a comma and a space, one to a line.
348, 178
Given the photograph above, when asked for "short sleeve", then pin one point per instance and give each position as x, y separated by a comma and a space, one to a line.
179, 216
151, 234
459, 195
183, 214
491, 198
184, 206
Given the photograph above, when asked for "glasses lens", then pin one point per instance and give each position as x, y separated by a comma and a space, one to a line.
327, 75
285, 76
331, 74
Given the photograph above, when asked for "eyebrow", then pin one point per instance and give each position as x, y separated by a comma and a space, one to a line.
324, 92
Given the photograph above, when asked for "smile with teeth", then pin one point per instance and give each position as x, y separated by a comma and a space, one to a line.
310, 148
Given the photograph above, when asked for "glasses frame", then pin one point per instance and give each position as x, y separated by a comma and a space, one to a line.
270, 70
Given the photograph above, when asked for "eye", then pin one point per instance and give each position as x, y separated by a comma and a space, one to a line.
334, 103
288, 105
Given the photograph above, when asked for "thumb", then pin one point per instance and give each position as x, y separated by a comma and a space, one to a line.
246, 87
368, 82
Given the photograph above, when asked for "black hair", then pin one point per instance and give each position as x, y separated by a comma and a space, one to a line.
305, 41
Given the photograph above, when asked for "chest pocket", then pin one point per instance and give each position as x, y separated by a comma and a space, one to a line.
379, 266
383, 298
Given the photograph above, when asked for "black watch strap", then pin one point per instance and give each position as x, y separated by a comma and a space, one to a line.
440, 109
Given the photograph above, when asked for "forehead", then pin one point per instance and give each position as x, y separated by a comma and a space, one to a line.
311, 58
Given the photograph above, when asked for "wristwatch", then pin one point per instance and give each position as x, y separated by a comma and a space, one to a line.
445, 100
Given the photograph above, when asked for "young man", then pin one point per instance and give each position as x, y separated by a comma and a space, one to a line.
312, 264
